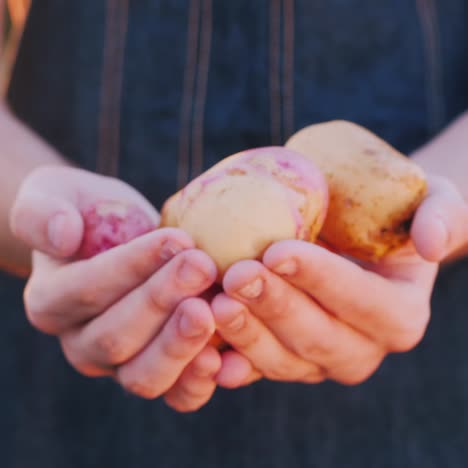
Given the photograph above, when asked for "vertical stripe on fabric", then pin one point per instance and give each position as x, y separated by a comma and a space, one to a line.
201, 87
428, 18
275, 85
111, 86
187, 96
288, 68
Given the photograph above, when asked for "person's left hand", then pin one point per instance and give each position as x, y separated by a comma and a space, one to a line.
306, 314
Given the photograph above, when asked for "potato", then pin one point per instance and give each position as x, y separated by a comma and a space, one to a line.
246, 202
374, 190
109, 223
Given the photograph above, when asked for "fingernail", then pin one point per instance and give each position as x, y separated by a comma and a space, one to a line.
190, 275
169, 249
190, 328
236, 323
252, 290
287, 268
55, 230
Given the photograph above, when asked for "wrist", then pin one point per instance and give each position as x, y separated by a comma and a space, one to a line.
21, 154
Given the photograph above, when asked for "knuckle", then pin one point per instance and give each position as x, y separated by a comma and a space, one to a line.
157, 299
140, 388
143, 391
321, 347
36, 309
406, 341
246, 338
192, 393
176, 404
410, 331
70, 355
279, 313
283, 369
185, 397
174, 350
87, 297
180, 405
199, 369
358, 374
277, 307
138, 266
79, 364
314, 376
111, 348
88, 369
316, 351
354, 378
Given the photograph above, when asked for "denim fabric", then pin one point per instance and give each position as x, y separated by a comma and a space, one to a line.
194, 81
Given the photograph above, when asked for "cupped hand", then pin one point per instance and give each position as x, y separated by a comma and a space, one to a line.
132, 312
306, 314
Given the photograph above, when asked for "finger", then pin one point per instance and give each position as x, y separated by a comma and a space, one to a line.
47, 210
250, 337
84, 367
58, 298
196, 385
129, 325
392, 313
155, 370
50, 224
300, 324
440, 225
236, 371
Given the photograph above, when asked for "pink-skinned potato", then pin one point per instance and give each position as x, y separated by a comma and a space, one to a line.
374, 190
109, 223
243, 204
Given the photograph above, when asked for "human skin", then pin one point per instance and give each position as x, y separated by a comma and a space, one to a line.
145, 325
301, 315
55, 303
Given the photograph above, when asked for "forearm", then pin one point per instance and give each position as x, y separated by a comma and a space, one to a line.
21, 151
447, 155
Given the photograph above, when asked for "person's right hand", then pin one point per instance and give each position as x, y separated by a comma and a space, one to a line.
132, 312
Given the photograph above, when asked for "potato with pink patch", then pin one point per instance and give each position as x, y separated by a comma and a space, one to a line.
243, 204
110, 223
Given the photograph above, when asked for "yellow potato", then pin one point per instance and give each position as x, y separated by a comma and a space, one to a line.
374, 190
243, 204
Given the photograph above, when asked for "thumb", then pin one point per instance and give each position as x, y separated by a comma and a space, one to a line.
440, 225
46, 223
